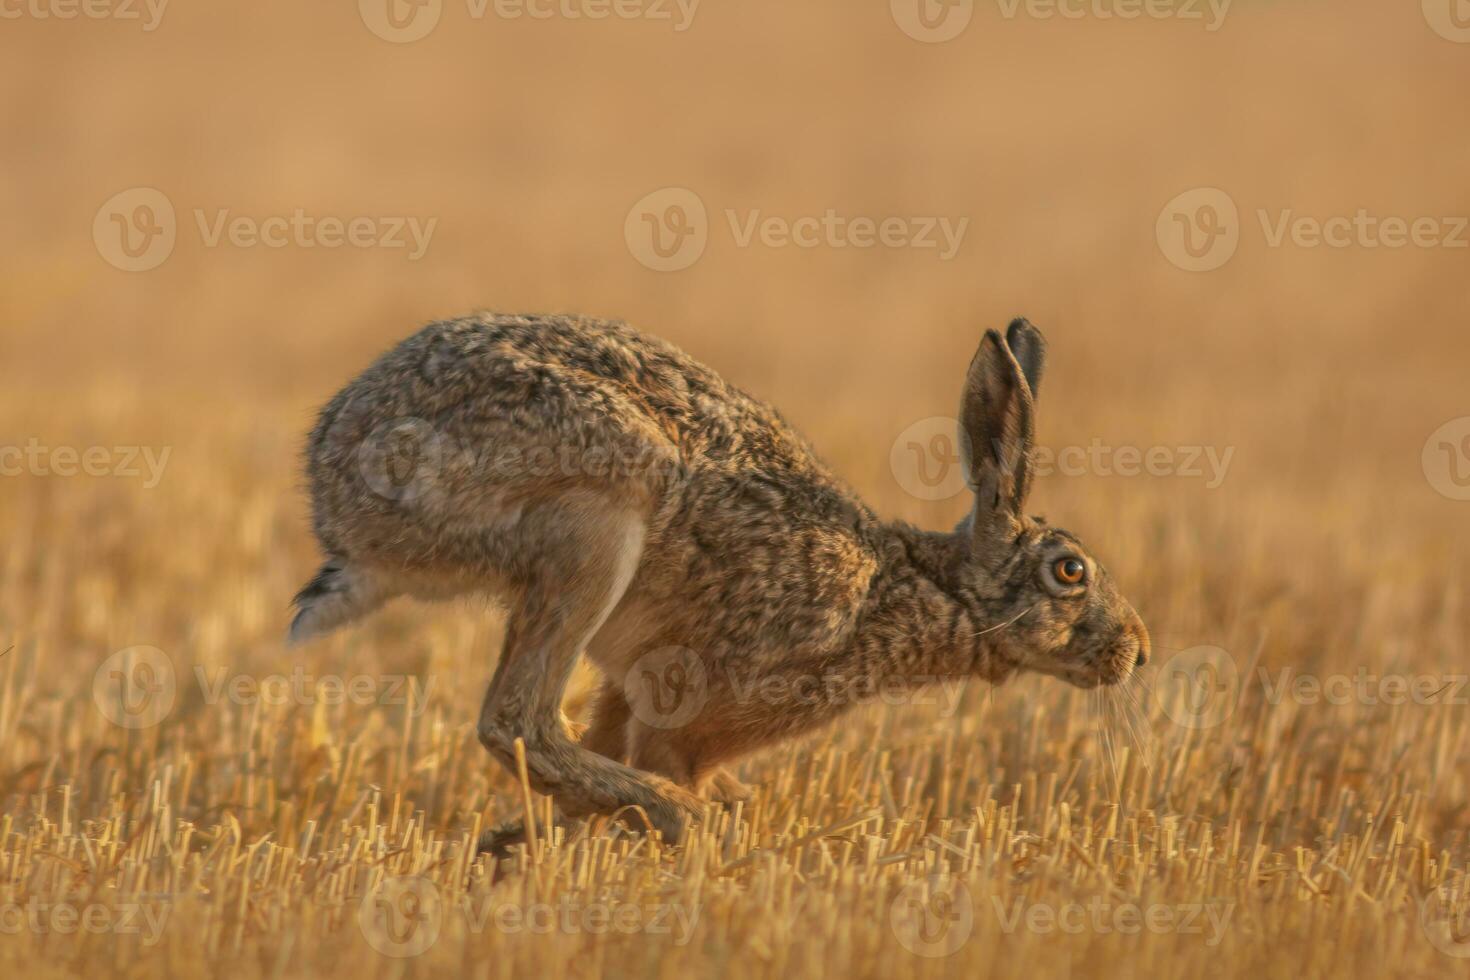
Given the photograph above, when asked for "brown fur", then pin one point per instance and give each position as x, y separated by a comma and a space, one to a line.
627, 502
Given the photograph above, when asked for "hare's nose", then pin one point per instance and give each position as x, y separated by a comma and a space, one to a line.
1140, 636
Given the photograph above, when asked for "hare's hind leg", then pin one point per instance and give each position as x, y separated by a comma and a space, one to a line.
586, 554
606, 734
339, 593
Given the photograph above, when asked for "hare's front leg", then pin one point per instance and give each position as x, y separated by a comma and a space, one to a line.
608, 734
607, 731
586, 555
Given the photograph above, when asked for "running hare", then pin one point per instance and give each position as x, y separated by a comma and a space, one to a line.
626, 501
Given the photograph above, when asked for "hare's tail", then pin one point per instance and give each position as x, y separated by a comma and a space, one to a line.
339, 594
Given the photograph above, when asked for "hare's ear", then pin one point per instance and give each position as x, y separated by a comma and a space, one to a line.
996, 431
1029, 348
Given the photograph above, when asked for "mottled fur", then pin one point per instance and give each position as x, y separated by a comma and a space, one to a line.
624, 500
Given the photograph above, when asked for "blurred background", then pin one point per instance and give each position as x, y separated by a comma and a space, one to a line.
530, 152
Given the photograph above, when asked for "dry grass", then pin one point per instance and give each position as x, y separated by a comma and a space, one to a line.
253, 832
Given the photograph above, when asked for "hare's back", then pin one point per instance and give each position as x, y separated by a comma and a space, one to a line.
581, 392
577, 383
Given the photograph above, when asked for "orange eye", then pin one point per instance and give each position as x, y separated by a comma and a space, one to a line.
1069, 571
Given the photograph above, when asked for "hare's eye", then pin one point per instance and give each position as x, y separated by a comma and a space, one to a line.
1069, 571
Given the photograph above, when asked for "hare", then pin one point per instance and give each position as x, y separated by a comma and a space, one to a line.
625, 501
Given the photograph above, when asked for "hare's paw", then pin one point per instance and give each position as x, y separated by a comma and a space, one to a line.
499, 841
722, 787
671, 809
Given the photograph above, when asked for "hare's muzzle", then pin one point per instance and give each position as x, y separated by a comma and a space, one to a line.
1135, 643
